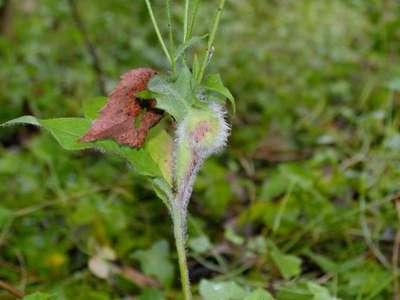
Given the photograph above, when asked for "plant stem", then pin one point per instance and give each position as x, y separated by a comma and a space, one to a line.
171, 35
193, 17
186, 21
211, 40
157, 29
187, 162
180, 242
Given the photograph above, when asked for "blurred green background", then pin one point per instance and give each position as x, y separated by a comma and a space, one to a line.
305, 194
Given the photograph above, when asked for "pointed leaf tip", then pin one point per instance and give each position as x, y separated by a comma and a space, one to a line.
214, 83
24, 120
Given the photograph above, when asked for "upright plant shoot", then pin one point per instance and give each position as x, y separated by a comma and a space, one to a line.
128, 122
201, 128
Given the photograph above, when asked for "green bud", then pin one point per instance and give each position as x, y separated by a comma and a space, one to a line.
201, 133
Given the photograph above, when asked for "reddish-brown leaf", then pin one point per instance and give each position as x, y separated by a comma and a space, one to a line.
117, 119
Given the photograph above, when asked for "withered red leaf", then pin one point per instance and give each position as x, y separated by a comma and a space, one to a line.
123, 110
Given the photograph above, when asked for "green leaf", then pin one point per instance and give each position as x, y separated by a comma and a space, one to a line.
323, 262
276, 185
297, 291
185, 84
156, 262
151, 294
319, 292
259, 295
37, 296
140, 159
67, 132
214, 83
160, 147
92, 107
187, 45
22, 120
221, 290
196, 66
168, 98
200, 244
289, 265
145, 95
174, 97
233, 237
258, 245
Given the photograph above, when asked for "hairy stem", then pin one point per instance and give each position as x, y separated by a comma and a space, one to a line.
186, 21
157, 29
211, 39
193, 17
180, 225
179, 215
171, 35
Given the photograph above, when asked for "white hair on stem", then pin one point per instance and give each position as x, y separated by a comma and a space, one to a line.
219, 139
203, 133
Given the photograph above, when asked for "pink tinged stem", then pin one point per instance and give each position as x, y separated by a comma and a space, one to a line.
181, 203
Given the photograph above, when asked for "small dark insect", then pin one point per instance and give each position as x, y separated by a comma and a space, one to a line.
123, 108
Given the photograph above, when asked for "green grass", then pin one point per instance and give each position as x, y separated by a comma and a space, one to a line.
305, 193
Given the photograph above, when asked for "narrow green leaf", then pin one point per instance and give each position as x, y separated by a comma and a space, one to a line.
196, 66
214, 83
22, 120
